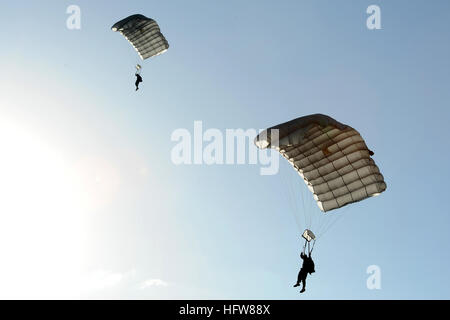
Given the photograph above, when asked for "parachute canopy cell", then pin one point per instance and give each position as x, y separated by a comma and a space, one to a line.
331, 157
144, 35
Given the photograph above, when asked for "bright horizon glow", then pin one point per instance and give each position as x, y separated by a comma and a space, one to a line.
41, 221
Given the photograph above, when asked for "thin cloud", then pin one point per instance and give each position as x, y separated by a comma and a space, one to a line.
153, 283
101, 279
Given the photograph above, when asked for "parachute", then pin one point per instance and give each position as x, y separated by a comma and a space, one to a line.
144, 35
331, 157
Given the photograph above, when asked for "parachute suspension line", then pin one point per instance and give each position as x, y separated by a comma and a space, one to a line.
326, 226
297, 197
322, 228
306, 212
310, 206
299, 202
315, 167
304, 195
329, 222
307, 208
292, 198
300, 206
308, 218
330, 225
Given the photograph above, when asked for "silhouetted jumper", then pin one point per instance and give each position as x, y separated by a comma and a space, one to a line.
307, 267
138, 80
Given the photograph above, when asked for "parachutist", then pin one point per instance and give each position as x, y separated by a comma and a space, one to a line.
138, 80
145, 36
307, 267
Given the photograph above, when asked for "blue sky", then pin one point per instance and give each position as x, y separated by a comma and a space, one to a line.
94, 207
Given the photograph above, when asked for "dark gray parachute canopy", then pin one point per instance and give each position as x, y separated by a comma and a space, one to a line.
144, 35
331, 157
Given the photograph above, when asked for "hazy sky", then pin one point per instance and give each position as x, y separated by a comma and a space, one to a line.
92, 206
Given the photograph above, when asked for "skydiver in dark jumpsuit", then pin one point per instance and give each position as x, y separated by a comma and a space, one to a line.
307, 267
138, 80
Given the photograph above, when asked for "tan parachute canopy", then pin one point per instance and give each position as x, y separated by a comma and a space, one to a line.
144, 35
331, 157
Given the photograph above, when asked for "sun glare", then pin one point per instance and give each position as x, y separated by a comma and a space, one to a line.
41, 218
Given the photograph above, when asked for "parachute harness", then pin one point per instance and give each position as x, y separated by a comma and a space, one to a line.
310, 249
